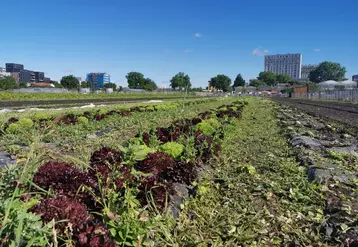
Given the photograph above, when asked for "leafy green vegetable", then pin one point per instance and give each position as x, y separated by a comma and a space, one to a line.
140, 152
174, 149
82, 120
25, 123
205, 127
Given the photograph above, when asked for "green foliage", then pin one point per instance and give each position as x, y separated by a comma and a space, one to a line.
22, 85
149, 85
239, 81
7, 83
13, 128
70, 82
328, 71
174, 149
268, 78
282, 78
110, 85
180, 81
205, 127
128, 223
220, 82
257, 83
40, 115
19, 227
82, 120
58, 96
135, 80
214, 122
312, 87
25, 123
85, 84
139, 152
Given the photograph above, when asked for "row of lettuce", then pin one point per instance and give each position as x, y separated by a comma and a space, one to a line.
111, 202
77, 96
16, 125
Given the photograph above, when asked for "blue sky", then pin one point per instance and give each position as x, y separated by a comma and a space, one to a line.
161, 38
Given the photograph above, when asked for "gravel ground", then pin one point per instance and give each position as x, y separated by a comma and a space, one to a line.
340, 112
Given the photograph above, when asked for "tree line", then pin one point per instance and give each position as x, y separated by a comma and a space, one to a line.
181, 81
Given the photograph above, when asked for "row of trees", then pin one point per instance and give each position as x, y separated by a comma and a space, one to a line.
271, 79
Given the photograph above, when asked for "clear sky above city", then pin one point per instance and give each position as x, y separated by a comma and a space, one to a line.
161, 38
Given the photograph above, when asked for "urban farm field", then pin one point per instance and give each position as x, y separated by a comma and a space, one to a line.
9, 96
209, 172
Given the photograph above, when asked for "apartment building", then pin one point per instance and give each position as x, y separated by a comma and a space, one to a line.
289, 64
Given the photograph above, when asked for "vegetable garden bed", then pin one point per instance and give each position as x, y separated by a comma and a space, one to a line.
101, 206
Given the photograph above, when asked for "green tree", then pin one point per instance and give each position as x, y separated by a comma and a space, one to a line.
268, 78
149, 84
110, 85
22, 85
70, 82
282, 78
328, 71
257, 83
135, 80
312, 87
180, 81
239, 81
220, 82
85, 84
7, 83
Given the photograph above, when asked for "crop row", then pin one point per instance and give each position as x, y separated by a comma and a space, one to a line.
15, 125
106, 205
73, 96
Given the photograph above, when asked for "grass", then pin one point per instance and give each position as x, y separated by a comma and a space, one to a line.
255, 194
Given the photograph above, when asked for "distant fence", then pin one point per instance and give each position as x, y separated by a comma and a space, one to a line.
338, 95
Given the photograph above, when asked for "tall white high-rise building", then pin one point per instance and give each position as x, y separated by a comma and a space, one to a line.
288, 64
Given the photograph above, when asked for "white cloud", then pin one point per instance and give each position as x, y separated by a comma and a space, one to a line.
197, 35
187, 51
317, 50
259, 52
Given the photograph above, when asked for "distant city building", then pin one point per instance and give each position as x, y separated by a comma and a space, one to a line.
47, 79
27, 76
20, 74
39, 76
355, 78
97, 80
79, 79
288, 64
306, 70
14, 67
